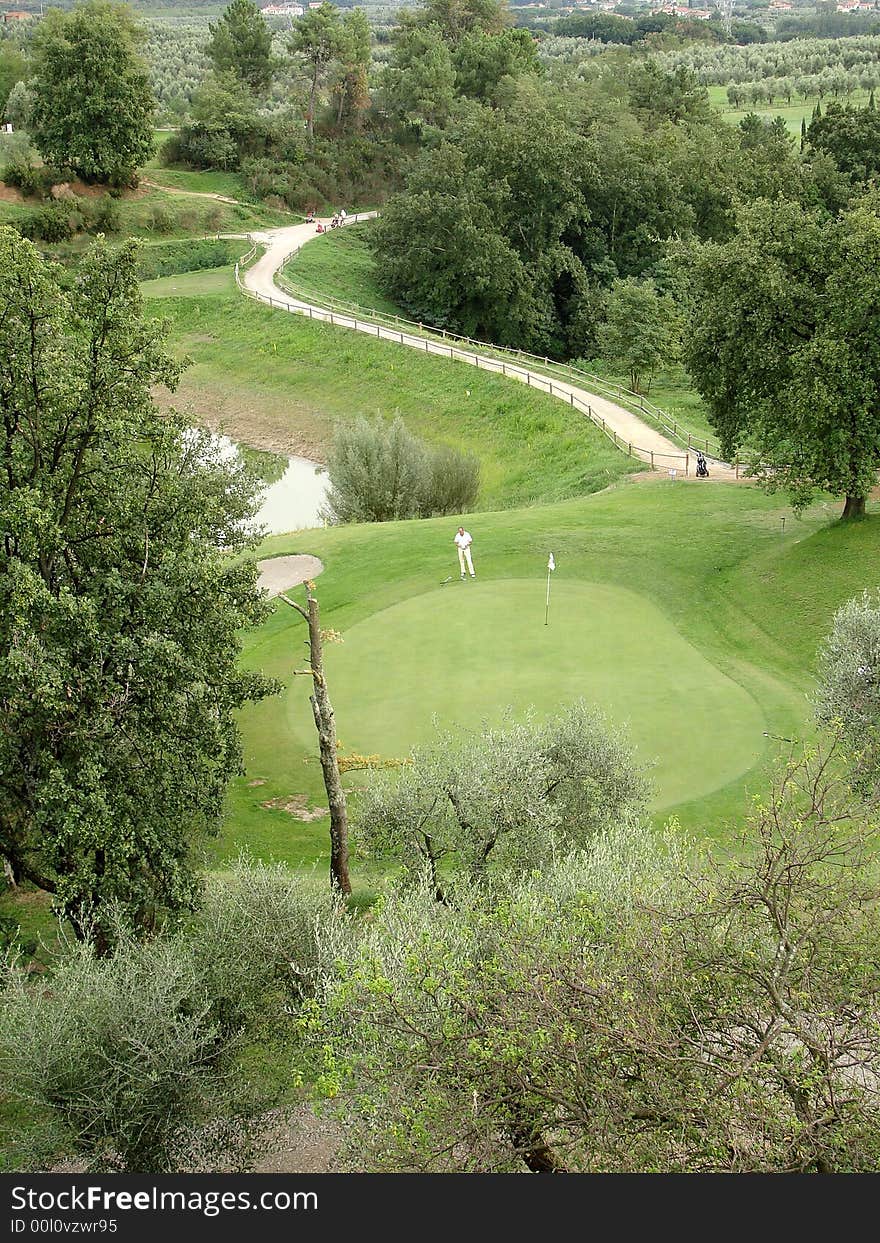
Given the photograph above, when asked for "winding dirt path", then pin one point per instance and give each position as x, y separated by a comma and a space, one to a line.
645, 441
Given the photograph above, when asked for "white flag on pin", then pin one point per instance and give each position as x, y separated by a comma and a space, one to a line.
551, 564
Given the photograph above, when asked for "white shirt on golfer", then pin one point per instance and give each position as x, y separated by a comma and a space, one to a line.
463, 541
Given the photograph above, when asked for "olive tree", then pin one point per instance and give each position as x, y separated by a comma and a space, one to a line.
848, 695
505, 798
128, 1062
630, 1008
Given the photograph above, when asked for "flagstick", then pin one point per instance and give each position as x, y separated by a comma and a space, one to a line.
547, 608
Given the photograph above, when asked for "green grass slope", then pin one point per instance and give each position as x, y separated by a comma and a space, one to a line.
340, 266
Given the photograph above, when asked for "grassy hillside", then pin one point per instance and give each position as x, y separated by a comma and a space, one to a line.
340, 266
281, 382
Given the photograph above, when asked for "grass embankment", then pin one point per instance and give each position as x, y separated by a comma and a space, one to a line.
340, 266
681, 609
281, 382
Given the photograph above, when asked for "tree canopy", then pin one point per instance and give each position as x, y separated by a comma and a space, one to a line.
92, 101
785, 348
851, 136
241, 43
120, 605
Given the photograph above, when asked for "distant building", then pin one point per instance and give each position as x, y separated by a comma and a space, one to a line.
282, 10
681, 10
855, 6
16, 15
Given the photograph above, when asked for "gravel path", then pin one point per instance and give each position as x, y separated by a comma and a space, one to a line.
277, 574
280, 244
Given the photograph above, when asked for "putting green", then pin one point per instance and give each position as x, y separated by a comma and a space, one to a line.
465, 652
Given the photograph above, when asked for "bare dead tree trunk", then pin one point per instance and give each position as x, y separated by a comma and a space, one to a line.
325, 724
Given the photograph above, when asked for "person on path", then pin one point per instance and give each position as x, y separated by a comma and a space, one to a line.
463, 541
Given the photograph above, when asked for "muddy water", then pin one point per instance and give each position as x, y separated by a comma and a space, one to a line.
295, 500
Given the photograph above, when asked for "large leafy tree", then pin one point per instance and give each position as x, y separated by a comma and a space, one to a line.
241, 43
458, 18
640, 332
482, 60
418, 83
785, 346
92, 101
120, 603
851, 136
454, 249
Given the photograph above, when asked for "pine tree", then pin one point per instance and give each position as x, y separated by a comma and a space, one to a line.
242, 43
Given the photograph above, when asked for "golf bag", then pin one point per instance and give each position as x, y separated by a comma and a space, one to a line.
702, 468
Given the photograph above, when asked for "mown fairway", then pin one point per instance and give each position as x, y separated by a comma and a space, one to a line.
482, 646
681, 609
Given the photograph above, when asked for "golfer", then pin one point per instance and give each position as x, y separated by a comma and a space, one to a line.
463, 541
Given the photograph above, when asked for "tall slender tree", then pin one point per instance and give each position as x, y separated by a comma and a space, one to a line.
315, 41
241, 43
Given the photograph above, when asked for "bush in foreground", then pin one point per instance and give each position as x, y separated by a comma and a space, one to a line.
628, 1010
131, 1058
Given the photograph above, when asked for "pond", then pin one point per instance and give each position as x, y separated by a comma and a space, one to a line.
293, 502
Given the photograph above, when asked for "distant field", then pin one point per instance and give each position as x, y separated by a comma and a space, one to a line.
792, 114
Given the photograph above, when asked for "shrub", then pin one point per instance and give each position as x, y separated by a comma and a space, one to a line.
168, 259
451, 484
849, 683
102, 215
22, 173
379, 472
160, 220
205, 146
626, 1009
131, 1056
502, 800
257, 929
121, 1051
54, 222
